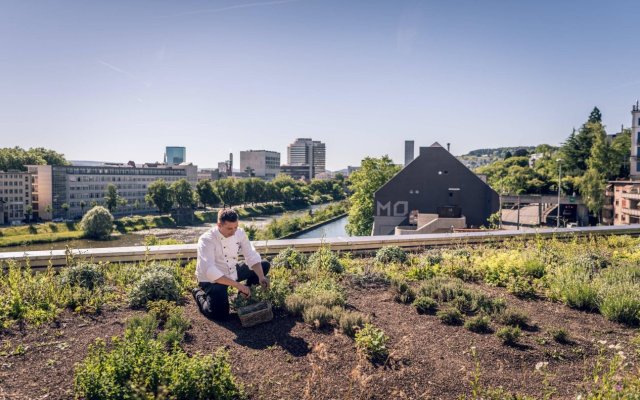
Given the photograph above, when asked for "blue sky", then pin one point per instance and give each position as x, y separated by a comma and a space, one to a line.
119, 80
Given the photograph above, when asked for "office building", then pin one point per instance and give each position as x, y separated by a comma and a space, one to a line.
80, 186
175, 155
15, 196
260, 163
309, 153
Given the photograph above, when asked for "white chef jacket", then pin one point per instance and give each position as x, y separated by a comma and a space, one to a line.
218, 255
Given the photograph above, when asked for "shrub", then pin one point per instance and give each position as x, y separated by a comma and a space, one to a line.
147, 325
534, 268
154, 285
402, 292
442, 289
295, 304
161, 310
464, 304
450, 316
621, 303
372, 342
425, 305
88, 276
318, 316
281, 286
138, 366
420, 273
490, 306
391, 254
289, 258
97, 223
514, 318
325, 260
351, 321
573, 284
478, 324
560, 335
174, 329
521, 287
509, 335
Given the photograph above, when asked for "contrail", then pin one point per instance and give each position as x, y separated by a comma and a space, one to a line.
114, 68
248, 5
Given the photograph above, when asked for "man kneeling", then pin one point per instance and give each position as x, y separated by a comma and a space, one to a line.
218, 266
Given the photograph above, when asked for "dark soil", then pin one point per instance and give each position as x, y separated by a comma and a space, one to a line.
286, 359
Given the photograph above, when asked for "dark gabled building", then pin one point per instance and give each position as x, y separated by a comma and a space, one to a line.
433, 183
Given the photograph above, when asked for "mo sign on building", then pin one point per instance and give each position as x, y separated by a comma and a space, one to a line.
436, 184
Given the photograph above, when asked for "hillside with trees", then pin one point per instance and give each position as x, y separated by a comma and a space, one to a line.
589, 159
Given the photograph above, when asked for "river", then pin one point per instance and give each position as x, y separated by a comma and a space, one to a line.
188, 234
333, 229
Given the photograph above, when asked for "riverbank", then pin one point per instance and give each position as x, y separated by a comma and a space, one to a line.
46, 233
286, 226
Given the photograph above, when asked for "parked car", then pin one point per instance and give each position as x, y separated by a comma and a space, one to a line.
57, 220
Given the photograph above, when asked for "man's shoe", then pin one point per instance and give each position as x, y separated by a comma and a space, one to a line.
195, 291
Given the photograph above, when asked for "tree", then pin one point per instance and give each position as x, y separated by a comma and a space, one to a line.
507, 155
82, 206
521, 153
28, 211
111, 198
374, 173
18, 158
206, 194
254, 190
621, 149
48, 209
592, 187
65, 207
229, 190
603, 158
183, 195
250, 171
159, 195
595, 116
97, 223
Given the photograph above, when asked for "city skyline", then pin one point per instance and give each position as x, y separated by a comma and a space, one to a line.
221, 76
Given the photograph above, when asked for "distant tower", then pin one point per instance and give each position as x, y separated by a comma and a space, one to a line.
230, 164
408, 151
634, 165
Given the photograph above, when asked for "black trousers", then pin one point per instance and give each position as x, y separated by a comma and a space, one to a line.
214, 301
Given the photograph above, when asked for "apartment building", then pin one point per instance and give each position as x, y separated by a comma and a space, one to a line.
80, 186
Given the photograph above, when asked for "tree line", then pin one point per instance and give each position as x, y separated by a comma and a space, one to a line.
17, 158
235, 191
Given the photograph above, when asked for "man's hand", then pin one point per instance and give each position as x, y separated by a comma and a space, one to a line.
264, 282
244, 290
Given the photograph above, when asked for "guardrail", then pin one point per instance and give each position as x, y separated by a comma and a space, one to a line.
361, 244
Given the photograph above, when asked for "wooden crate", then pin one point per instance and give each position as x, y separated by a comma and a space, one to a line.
255, 314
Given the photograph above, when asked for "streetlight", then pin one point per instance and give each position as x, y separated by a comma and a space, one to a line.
559, 161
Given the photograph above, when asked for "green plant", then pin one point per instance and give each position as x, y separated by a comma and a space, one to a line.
510, 335
147, 325
174, 329
97, 223
425, 305
391, 254
442, 289
464, 304
350, 322
88, 276
162, 310
450, 316
420, 273
139, 366
513, 318
478, 324
521, 287
154, 285
325, 260
318, 316
289, 258
560, 335
402, 292
372, 342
